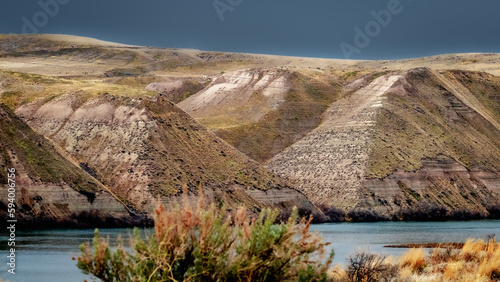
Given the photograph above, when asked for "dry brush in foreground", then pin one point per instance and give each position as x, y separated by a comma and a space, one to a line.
209, 245
476, 261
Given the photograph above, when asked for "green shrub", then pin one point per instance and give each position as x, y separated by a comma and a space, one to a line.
208, 245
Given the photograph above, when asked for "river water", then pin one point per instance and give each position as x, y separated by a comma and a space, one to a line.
46, 255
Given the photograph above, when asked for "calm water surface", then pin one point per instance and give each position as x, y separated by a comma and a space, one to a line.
46, 255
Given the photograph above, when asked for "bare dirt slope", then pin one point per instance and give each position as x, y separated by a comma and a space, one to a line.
330, 162
147, 149
398, 142
261, 112
465, 96
367, 134
239, 97
49, 188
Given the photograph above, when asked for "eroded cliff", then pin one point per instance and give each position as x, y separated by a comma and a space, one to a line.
403, 140
49, 189
143, 149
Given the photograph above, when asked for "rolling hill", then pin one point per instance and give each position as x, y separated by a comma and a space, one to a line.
137, 143
50, 189
263, 131
400, 141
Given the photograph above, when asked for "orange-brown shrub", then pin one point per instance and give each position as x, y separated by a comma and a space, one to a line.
207, 245
476, 261
414, 259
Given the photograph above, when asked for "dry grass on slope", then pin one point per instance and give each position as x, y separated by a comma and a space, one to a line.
185, 152
17, 89
484, 86
301, 112
43, 164
427, 121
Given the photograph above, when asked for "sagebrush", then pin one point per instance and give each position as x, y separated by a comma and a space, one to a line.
210, 245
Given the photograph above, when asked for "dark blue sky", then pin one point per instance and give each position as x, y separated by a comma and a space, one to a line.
313, 28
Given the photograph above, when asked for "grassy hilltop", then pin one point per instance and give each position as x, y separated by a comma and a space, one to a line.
392, 137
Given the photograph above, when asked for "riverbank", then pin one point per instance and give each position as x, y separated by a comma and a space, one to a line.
45, 254
455, 246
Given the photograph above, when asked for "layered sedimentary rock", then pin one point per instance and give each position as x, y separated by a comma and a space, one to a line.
354, 134
400, 141
440, 180
263, 111
48, 187
148, 149
238, 97
330, 162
